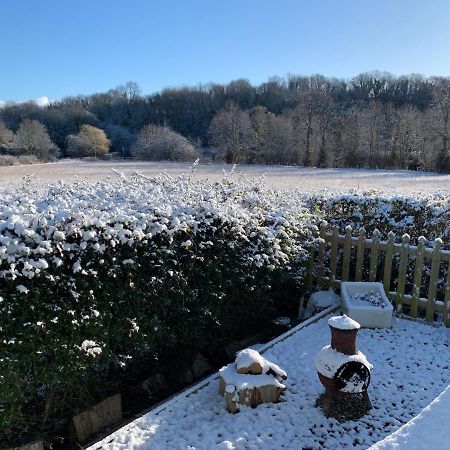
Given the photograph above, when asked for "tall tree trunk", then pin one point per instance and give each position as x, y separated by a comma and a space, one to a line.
307, 157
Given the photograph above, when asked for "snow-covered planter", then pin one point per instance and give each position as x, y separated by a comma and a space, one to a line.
250, 381
318, 301
367, 303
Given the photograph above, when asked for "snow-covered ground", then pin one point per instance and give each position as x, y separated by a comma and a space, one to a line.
308, 179
427, 430
411, 368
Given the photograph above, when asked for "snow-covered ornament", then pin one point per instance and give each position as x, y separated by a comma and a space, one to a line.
341, 368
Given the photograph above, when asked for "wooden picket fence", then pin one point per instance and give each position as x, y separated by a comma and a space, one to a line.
373, 261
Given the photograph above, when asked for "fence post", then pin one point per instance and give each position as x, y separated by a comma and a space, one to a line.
360, 254
447, 298
321, 254
388, 262
402, 271
417, 277
347, 253
374, 255
435, 263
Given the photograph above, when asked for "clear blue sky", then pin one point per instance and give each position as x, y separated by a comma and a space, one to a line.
56, 48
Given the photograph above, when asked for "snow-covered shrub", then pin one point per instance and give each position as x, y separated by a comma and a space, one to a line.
162, 143
101, 278
427, 215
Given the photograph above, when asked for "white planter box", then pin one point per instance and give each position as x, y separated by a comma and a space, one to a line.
368, 315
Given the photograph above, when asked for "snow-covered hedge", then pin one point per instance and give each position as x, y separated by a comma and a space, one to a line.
101, 279
424, 215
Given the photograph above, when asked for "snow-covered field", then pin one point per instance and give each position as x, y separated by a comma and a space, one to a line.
308, 179
411, 368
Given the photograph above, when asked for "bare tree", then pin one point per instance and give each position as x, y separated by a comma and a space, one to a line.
273, 138
231, 132
303, 124
440, 122
371, 134
312, 119
32, 139
326, 112
347, 152
260, 126
6, 138
407, 149
161, 143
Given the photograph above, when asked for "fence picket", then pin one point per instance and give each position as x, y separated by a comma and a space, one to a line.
445, 318
360, 254
388, 262
403, 265
418, 270
347, 253
432, 290
374, 255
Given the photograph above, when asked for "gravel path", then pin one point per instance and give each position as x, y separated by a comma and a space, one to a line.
308, 179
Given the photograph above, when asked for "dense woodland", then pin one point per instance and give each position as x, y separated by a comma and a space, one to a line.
372, 120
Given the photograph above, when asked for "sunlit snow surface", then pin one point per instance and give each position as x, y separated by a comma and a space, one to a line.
306, 179
411, 368
427, 430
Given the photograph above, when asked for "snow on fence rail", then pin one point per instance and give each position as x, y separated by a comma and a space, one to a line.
397, 265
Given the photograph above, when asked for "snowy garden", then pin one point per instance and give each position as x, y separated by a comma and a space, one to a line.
409, 373
109, 284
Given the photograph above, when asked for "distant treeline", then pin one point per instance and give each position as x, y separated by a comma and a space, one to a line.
372, 120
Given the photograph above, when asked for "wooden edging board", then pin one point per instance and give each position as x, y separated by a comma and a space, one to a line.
157, 409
